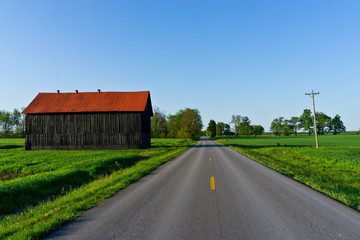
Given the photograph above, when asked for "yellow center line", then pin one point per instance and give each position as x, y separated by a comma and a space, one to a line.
210, 159
212, 183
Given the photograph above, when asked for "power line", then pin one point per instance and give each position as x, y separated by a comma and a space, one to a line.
312, 95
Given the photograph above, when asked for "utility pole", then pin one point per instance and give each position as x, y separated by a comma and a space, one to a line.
312, 95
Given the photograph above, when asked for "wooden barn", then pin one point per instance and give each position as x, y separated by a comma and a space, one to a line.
88, 120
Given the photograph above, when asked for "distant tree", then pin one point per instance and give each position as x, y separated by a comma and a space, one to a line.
227, 130
18, 120
184, 124
191, 124
286, 128
337, 125
211, 129
245, 120
258, 130
159, 124
219, 128
294, 123
2, 117
323, 122
174, 124
6, 124
246, 130
223, 129
276, 126
306, 121
245, 127
236, 120
279, 126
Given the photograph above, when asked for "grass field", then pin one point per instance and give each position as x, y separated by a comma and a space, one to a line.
333, 169
297, 141
42, 190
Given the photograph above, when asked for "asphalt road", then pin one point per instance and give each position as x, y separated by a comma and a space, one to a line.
213, 192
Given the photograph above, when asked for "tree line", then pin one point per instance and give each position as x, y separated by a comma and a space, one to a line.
324, 123
12, 124
242, 126
185, 123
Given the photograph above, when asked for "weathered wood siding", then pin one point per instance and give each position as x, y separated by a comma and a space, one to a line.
75, 131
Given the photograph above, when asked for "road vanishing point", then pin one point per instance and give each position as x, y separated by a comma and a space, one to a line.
214, 192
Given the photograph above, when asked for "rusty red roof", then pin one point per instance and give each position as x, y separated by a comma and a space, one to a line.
89, 102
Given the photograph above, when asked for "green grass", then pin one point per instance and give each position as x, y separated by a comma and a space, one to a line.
333, 169
53, 187
6, 143
296, 141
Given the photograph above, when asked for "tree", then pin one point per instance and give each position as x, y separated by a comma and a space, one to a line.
191, 124
220, 128
227, 130
306, 121
245, 127
174, 124
323, 122
258, 130
184, 124
6, 124
337, 125
279, 126
18, 120
211, 130
276, 126
294, 123
286, 128
12, 124
236, 120
158, 124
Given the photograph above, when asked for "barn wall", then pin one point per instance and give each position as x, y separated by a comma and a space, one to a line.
87, 131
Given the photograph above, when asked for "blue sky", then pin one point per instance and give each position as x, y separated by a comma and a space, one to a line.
252, 58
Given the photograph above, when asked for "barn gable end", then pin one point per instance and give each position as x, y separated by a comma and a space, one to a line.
75, 121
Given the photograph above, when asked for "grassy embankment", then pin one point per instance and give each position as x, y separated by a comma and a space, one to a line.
42, 190
333, 169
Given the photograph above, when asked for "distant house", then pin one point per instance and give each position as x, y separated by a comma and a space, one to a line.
88, 120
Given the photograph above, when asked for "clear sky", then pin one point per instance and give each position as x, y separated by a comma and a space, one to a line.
252, 58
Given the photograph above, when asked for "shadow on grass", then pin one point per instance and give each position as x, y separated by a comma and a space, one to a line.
20, 193
161, 146
10, 146
180, 144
